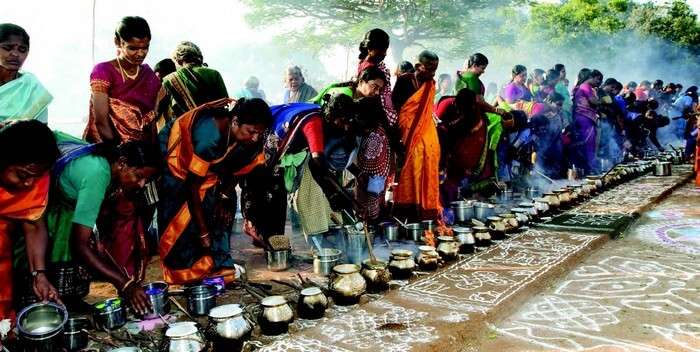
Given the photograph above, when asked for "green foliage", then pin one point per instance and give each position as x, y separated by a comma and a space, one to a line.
410, 22
675, 22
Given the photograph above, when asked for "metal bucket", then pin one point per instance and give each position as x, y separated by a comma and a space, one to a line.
277, 260
390, 231
413, 231
356, 247
325, 259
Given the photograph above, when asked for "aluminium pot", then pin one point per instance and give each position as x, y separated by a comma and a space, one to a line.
157, 293
325, 259
390, 231
463, 211
483, 211
413, 231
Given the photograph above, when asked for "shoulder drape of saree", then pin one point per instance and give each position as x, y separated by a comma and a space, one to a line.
182, 160
24, 98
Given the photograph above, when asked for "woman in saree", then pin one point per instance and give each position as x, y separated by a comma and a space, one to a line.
418, 195
200, 146
298, 91
87, 178
444, 87
468, 77
124, 89
373, 158
562, 88
470, 138
22, 97
585, 119
298, 162
516, 92
190, 86
369, 83
373, 49
24, 193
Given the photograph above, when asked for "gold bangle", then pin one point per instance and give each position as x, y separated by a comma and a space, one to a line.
206, 235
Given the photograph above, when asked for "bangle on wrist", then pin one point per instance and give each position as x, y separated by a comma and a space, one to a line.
204, 235
126, 285
36, 273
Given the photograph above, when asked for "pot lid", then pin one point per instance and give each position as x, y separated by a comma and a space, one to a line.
225, 311
273, 301
181, 330
311, 291
426, 248
401, 253
507, 215
327, 252
446, 238
461, 229
373, 265
494, 218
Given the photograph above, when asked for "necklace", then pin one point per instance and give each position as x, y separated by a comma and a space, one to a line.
124, 74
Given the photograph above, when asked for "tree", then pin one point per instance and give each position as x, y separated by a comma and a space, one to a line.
675, 22
410, 22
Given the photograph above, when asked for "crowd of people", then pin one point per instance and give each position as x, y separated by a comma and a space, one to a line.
166, 150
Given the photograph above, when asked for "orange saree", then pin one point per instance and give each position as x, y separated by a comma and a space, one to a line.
19, 206
418, 190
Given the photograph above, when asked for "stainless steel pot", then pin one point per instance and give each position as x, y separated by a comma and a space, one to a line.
427, 225
200, 299
109, 314
413, 231
390, 231
277, 260
157, 293
463, 211
662, 169
376, 274
276, 316
228, 329
448, 248
312, 303
428, 258
40, 327
184, 338
347, 284
401, 264
483, 211
325, 259
75, 336
356, 249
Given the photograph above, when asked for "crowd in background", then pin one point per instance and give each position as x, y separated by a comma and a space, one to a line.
165, 151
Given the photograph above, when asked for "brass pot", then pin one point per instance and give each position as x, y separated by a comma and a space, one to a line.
428, 258
497, 228
564, 196
511, 222
482, 237
228, 329
376, 274
276, 316
448, 248
347, 284
522, 215
552, 200
401, 264
542, 206
465, 239
312, 303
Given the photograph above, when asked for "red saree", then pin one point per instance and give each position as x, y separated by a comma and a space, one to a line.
418, 191
20, 206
